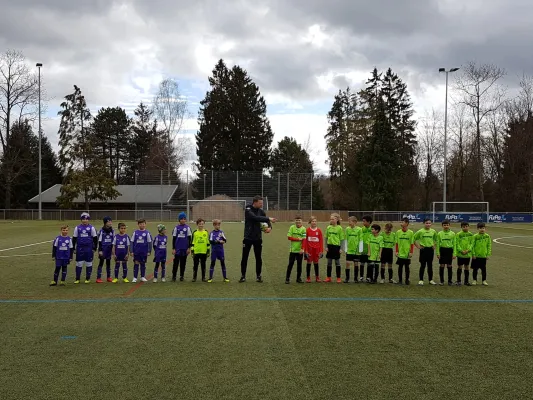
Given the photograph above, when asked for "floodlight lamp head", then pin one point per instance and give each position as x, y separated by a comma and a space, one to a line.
38, 65
454, 69
442, 69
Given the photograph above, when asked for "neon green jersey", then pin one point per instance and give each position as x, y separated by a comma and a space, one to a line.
482, 245
366, 233
405, 241
445, 239
353, 237
334, 235
375, 244
298, 233
463, 244
389, 240
200, 242
426, 237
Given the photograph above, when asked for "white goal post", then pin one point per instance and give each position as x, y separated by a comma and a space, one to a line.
225, 210
469, 211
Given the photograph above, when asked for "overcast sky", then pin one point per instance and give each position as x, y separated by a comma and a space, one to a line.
298, 52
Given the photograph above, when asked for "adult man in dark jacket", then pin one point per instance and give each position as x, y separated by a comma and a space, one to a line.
254, 216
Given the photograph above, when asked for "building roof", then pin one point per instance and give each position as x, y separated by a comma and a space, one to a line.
142, 194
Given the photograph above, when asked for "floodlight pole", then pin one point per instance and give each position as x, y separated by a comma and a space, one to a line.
39, 65
444, 183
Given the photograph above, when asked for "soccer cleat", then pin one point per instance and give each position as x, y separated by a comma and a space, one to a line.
468, 284
485, 283
392, 281
382, 281
87, 281
163, 280
53, 283
259, 279
474, 283
193, 279
99, 280
420, 283
226, 280
109, 279
243, 279
299, 280
318, 280
327, 280
339, 280
399, 283
143, 279
210, 280
441, 283
125, 280
407, 282
432, 282
77, 281
115, 280
182, 278
458, 283
287, 281
346, 280
134, 280
155, 280
62, 283
450, 283
361, 279
204, 280
308, 280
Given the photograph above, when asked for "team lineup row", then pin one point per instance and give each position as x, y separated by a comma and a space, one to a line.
364, 246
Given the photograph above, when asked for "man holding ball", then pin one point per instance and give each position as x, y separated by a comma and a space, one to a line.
254, 218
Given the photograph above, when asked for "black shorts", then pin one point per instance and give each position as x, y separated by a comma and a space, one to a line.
386, 256
352, 257
463, 261
363, 258
479, 263
334, 252
446, 256
427, 254
403, 262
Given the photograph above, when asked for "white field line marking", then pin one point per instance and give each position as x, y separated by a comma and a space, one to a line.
27, 245
511, 245
502, 226
26, 255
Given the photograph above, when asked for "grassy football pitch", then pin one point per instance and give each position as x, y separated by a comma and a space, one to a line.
262, 341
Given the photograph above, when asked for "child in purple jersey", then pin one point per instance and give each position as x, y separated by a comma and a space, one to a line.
105, 247
141, 248
160, 252
217, 240
121, 246
181, 246
62, 252
85, 241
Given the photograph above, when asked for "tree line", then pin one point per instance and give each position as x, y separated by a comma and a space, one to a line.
381, 157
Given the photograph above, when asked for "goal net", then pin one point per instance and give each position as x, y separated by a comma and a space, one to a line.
459, 211
225, 210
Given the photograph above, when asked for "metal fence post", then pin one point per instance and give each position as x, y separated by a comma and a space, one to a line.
136, 216
212, 183
237, 184
288, 190
262, 183
204, 185
161, 218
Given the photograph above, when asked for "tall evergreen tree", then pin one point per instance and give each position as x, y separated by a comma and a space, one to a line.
234, 134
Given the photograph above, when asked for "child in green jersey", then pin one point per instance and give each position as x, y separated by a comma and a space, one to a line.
389, 240
445, 244
200, 248
296, 236
426, 241
405, 239
366, 233
463, 252
375, 249
353, 238
334, 238
481, 251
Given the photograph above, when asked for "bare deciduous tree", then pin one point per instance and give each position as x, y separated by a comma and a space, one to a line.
480, 91
171, 109
461, 139
18, 103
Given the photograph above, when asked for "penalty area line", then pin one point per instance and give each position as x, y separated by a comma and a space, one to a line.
26, 245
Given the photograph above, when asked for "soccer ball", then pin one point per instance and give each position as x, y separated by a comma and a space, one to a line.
264, 226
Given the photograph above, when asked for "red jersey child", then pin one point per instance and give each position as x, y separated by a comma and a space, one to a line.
313, 246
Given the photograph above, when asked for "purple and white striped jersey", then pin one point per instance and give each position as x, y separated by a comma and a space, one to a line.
84, 235
122, 245
62, 248
182, 237
141, 242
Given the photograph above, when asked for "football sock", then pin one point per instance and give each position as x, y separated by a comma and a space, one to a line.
78, 272
117, 267
338, 268
56, 274
223, 265
355, 272
390, 273
430, 271
362, 270
64, 273
382, 273
212, 269
347, 274
88, 271
467, 275
175, 266
376, 272
474, 274
441, 273
369, 271
156, 270
484, 273
108, 268
163, 269
99, 269
400, 272
317, 271
143, 270
124, 269
421, 272
308, 270
450, 273
135, 270
407, 272
459, 273
329, 268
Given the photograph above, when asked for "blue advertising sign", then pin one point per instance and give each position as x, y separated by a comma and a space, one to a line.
470, 217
